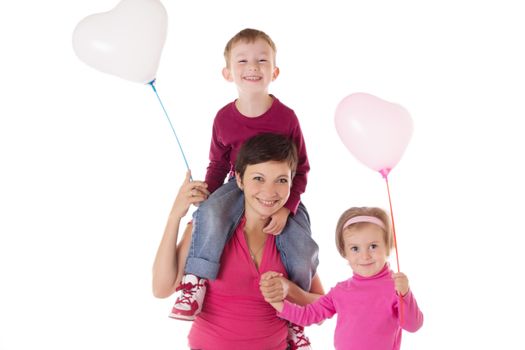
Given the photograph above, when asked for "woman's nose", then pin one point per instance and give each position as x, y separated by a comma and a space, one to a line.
270, 188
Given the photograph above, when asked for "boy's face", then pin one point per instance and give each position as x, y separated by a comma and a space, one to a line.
252, 67
365, 249
266, 188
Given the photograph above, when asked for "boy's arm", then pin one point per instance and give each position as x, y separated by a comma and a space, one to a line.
219, 165
303, 167
277, 222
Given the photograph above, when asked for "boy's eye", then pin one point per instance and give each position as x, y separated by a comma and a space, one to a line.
354, 249
373, 246
263, 60
242, 61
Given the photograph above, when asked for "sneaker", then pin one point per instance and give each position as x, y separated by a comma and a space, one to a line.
297, 340
189, 302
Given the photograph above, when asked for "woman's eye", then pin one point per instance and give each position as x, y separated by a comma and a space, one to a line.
283, 181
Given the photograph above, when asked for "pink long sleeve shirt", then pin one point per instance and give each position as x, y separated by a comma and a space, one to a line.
235, 315
231, 129
367, 313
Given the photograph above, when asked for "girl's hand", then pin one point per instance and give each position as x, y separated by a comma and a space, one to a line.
400, 283
273, 286
277, 222
190, 192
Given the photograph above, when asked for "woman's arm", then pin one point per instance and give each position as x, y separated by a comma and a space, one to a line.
300, 297
169, 261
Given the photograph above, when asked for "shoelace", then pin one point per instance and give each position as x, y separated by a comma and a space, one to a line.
187, 293
299, 334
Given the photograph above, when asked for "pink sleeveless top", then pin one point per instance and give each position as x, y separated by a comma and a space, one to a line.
234, 314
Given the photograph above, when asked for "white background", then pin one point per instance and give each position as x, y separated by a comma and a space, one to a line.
89, 166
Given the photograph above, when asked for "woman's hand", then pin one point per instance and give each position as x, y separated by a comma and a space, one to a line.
190, 192
274, 287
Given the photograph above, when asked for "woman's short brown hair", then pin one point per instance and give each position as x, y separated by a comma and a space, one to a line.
266, 147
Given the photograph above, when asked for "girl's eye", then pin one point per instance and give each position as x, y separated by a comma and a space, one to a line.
373, 246
283, 181
263, 60
242, 61
354, 249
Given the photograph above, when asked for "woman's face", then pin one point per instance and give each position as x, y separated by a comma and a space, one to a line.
266, 188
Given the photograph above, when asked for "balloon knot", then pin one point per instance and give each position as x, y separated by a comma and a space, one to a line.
384, 172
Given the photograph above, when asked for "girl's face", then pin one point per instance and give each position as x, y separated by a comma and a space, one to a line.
365, 249
266, 188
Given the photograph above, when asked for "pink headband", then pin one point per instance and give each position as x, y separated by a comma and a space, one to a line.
370, 219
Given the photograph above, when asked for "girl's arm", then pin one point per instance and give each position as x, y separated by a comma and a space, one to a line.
275, 288
410, 317
300, 307
170, 257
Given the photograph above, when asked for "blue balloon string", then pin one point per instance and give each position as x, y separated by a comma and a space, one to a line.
152, 83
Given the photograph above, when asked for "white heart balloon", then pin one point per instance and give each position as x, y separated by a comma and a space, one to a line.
126, 41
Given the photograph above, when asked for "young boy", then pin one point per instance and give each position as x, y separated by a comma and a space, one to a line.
250, 64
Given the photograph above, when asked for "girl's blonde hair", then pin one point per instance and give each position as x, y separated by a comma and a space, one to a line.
362, 211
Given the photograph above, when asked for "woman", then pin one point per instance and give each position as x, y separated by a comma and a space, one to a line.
235, 314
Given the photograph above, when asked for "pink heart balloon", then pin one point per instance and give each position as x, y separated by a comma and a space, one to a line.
126, 41
375, 131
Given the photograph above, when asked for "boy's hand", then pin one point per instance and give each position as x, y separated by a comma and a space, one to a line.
277, 222
401, 283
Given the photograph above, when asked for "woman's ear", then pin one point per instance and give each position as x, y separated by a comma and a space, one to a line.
239, 180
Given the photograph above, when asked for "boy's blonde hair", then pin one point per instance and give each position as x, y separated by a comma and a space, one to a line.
248, 35
363, 211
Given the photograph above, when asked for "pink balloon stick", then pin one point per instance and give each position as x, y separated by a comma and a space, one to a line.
384, 172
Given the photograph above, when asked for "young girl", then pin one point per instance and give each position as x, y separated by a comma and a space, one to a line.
367, 304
